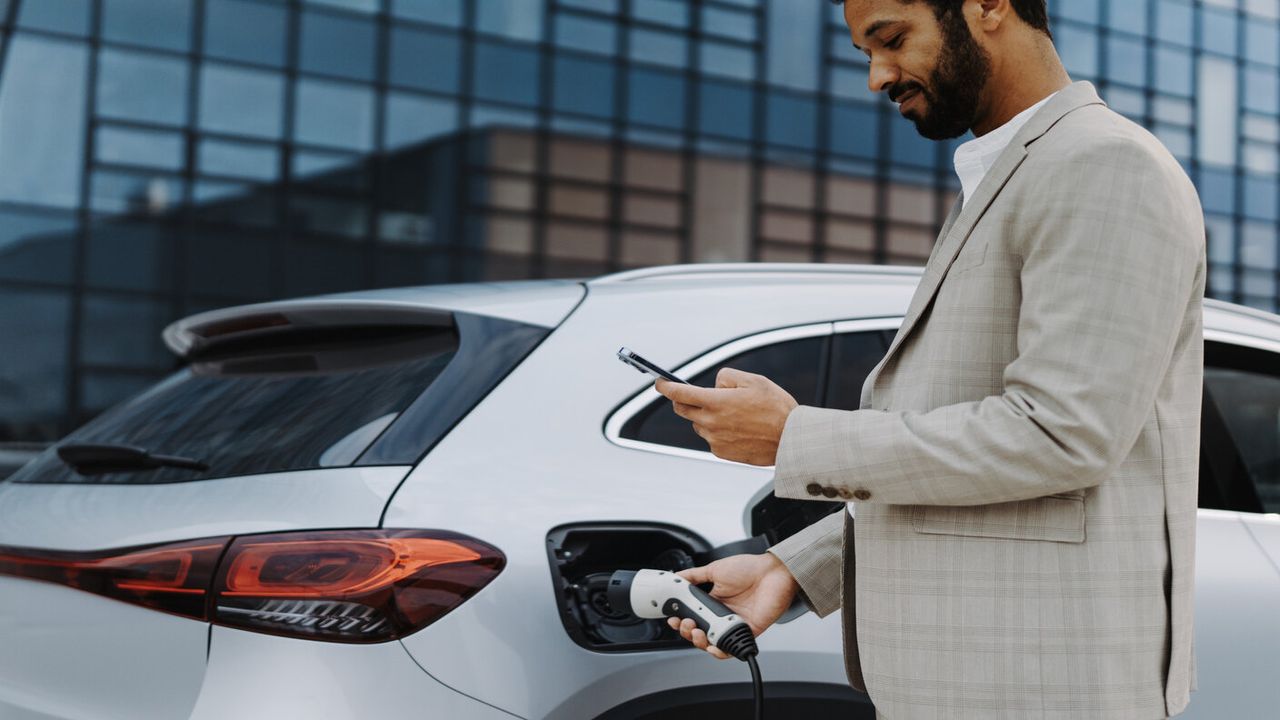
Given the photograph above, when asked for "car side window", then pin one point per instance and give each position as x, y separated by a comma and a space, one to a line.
853, 356
1240, 453
795, 365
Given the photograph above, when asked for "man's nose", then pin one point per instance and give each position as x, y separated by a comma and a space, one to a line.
882, 76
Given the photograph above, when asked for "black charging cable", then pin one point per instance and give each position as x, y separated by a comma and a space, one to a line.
741, 643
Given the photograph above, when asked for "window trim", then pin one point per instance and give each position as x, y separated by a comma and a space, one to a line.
615, 422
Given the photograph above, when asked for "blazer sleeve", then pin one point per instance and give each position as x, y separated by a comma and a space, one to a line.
813, 556
1108, 273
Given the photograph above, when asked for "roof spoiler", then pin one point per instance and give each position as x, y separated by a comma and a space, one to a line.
198, 334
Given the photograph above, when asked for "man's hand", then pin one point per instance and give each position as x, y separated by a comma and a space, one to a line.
759, 588
741, 418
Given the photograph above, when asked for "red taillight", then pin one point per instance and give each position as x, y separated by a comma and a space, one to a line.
338, 585
174, 578
350, 586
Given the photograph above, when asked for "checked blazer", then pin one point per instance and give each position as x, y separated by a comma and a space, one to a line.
1025, 457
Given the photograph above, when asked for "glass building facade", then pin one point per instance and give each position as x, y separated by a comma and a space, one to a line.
162, 157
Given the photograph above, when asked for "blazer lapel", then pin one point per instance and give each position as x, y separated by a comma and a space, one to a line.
958, 229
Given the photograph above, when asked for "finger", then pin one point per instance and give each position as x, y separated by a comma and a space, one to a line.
687, 394
686, 629
699, 431
673, 623
692, 413
700, 639
717, 653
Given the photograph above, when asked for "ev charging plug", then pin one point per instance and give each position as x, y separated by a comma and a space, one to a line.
659, 594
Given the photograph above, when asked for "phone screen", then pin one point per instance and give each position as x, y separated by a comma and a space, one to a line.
645, 366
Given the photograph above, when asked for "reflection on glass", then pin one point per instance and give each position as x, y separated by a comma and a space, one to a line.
334, 114
580, 33
136, 193
726, 60
506, 73
245, 30
729, 23
68, 16
792, 54
142, 86
149, 148
162, 24
42, 122
225, 93
666, 12
659, 48
367, 6
425, 59
1216, 112
337, 45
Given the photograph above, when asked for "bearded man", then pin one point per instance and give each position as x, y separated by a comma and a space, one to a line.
1024, 462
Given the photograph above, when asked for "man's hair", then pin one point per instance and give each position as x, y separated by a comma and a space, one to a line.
1033, 12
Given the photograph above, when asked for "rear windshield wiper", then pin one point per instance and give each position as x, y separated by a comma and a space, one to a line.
93, 459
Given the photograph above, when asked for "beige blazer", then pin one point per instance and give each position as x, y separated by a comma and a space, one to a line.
1025, 458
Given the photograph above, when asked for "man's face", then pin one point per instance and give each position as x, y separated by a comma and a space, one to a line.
933, 67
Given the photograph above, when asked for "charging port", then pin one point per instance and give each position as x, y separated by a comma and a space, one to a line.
583, 557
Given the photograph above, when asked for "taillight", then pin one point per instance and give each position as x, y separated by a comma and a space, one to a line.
339, 585
349, 586
174, 578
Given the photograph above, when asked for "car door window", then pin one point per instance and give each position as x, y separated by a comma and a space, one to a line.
1242, 388
795, 365
853, 356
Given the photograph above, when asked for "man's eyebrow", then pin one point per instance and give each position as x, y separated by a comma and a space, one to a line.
874, 28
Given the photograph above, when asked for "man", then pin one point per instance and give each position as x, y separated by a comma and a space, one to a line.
1024, 462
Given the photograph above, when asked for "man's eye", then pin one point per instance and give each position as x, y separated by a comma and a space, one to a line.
894, 43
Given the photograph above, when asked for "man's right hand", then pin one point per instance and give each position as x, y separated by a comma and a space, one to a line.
759, 588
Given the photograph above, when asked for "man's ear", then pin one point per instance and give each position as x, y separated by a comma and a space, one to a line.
989, 14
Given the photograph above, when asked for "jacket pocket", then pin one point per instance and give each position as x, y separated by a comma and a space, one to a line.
1055, 518
970, 256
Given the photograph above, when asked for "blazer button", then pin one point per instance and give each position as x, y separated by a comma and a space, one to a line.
813, 489
844, 493
829, 492
862, 494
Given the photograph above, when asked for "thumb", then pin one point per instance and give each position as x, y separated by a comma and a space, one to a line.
729, 378
697, 575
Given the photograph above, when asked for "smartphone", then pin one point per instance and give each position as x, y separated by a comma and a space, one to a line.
645, 366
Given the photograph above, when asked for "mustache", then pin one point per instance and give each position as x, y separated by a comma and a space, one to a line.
900, 89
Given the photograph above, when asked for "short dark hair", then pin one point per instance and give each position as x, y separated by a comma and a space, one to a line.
1033, 12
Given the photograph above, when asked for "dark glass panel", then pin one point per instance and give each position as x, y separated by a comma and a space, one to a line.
252, 161
659, 48
68, 16
36, 246
655, 97
584, 86
441, 12
127, 255
245, 30
792, 120
241, 101
341, 45
517, 19
334, 114
229, 263
425, 59
118, 331
506, 73
665, 12
586, 34
156, 23
411, 119
135, 193
143, 86
907, 146
725, 109
854, 130
727, 60
148, 148
42, 107
33, 372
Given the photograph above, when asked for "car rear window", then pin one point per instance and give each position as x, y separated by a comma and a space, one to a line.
312, 401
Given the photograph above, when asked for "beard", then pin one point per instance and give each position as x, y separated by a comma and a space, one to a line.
955, 85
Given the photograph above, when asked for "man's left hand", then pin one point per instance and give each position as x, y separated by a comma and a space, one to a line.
741, 418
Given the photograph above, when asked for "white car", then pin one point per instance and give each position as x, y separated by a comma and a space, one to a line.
404, 503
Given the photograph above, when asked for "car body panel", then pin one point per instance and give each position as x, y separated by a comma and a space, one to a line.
65, 653
1237, 624
252, 675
